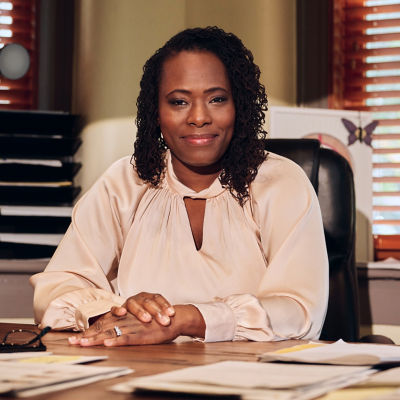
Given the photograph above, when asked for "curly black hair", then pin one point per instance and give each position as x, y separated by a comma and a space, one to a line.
245, 152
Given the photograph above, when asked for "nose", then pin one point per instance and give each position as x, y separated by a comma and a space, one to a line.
199, 115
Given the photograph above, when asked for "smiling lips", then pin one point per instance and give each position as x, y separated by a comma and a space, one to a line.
200, 140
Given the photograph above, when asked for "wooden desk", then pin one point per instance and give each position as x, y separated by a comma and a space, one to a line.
146, 360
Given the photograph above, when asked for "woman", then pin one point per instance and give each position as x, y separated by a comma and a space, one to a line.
204, 234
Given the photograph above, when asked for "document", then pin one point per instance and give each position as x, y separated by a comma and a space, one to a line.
47, 239
48, 358
338, 353
251, 380
36, 211
28, 379
46, 163
36, 184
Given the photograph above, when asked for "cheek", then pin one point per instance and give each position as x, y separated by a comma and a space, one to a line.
228, 119
169, 121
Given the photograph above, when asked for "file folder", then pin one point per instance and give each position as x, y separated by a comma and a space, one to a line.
25, 172
23, 250
33, 224
39, 195
40, 123
33, 146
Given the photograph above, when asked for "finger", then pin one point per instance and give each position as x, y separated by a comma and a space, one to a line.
118, 311
94, 329
98, 339
137, 310
164, 304
153, 308
117, 341
75, 338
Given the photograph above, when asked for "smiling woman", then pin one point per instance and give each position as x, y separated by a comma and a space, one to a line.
201, 233
196, 114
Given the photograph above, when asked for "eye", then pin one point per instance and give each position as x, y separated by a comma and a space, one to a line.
177, 102
219, 99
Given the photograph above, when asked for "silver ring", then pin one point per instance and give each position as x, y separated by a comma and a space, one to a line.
118, 331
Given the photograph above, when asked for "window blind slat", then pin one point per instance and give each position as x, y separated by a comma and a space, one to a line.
359, 68
371, 81
387, 151
356, 106
388, 136
362, 95
386, 222
360, 12
391, 179
389, 122
386, 194
386, 208
360, 24
362, 53
386, 165
363, 39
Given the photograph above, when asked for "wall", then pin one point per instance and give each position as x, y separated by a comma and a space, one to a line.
267, 28
113, 40
115, 37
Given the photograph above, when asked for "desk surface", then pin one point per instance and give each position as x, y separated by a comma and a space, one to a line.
146, 360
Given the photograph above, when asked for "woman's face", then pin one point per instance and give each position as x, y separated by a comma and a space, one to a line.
196, 109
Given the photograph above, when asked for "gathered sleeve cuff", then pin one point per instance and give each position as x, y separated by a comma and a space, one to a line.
244, 317
74, 309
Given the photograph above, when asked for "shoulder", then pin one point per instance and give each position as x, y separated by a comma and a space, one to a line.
119, 186
119, 175
281, 188
121, 168
280, 171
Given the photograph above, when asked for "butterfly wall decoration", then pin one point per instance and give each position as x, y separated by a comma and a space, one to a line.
358, 132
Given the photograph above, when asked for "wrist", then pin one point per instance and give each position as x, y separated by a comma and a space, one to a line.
189, 321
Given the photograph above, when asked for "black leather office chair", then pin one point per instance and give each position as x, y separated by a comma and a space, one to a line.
332, 179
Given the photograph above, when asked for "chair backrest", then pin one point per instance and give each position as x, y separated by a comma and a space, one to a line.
337, 200
332, 179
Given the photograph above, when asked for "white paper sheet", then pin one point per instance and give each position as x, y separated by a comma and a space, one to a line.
339, 353
37, 211
252, 380
23, 380
48, 239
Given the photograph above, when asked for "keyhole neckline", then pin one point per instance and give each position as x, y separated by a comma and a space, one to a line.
214, 190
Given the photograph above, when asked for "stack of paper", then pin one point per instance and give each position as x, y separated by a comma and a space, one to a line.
251, 380
338, 353
29, 379
351, 364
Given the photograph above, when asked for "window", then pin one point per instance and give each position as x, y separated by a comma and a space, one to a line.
18, 25
366, 76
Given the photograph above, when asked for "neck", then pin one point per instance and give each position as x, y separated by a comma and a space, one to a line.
196, 178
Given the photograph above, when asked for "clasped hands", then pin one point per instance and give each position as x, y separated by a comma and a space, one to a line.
146, 318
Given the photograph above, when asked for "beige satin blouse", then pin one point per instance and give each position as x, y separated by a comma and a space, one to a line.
261, 273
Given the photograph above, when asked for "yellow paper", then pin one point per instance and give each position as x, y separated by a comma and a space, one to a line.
51, 359
299, 347
358, 393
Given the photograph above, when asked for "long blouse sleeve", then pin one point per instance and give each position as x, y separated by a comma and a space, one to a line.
291, 299
79, 281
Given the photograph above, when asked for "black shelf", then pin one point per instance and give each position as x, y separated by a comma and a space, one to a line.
36, 169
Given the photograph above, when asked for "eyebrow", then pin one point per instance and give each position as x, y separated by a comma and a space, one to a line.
210, 90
